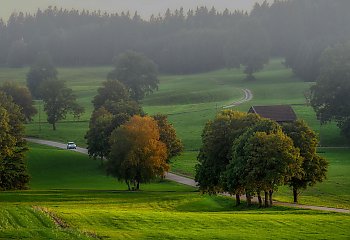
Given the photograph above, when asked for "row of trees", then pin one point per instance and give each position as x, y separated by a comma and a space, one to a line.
182, 42
13, 170
245, 154
136, 148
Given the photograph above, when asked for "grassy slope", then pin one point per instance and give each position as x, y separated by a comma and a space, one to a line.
71, 186
189, 100
193, 99
333, 192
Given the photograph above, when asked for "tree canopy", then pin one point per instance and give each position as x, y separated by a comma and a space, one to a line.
59, 100
245, 154
97, 137
112, 108
137, 72
314, 167
262, 161
330, 96
112, 90
22, 97
217, 140
13, 170
249, 46
196, 39
168, 136
137, 154
42, 70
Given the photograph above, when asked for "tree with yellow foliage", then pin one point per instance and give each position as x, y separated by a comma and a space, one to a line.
137, 154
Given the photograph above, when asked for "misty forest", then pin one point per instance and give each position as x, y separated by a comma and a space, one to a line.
180, 41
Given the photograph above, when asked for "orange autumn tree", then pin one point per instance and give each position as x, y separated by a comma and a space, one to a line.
137, 154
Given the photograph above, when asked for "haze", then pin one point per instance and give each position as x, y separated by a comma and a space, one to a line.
143, 7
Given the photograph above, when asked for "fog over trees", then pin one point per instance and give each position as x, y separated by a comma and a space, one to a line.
144, 7
180, 41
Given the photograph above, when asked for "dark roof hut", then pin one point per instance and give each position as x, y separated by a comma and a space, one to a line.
278, 113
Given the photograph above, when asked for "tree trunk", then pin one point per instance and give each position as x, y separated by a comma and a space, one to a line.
266, 199
138, 185
295, 194
101, 161
249, 199
128, 183
238, 199
270, 198
54, 126
259, 199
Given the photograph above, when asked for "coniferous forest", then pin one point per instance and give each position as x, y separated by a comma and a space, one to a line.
181, 41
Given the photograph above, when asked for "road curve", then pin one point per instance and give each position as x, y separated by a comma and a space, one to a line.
189, 181
248, 95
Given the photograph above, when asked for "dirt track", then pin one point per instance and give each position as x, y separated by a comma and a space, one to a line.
248, 95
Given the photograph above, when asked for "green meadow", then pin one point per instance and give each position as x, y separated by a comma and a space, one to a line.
71, 188
189, 100
86, 204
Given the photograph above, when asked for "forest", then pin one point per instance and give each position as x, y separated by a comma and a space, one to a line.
180, 42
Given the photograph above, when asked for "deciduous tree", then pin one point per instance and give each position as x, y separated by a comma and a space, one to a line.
217, 140
113, 107
137, 154
262, 159
113, 91
42, 70
97, 137
330, 95
249, 46
22, 97
314, 167
13, 170
59, 100
137, 72
168, 136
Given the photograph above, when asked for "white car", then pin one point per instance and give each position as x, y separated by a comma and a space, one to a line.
71, 145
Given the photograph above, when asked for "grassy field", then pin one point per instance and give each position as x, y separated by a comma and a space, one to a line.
191, 100
71, 188
333, 192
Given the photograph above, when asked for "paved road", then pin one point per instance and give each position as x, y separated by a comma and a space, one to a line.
188, 181
56, 144
248, 95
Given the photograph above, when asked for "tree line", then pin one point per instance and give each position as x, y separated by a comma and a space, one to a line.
182, 42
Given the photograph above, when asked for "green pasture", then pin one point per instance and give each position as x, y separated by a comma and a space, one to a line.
72, 188
334, 191
189, 100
